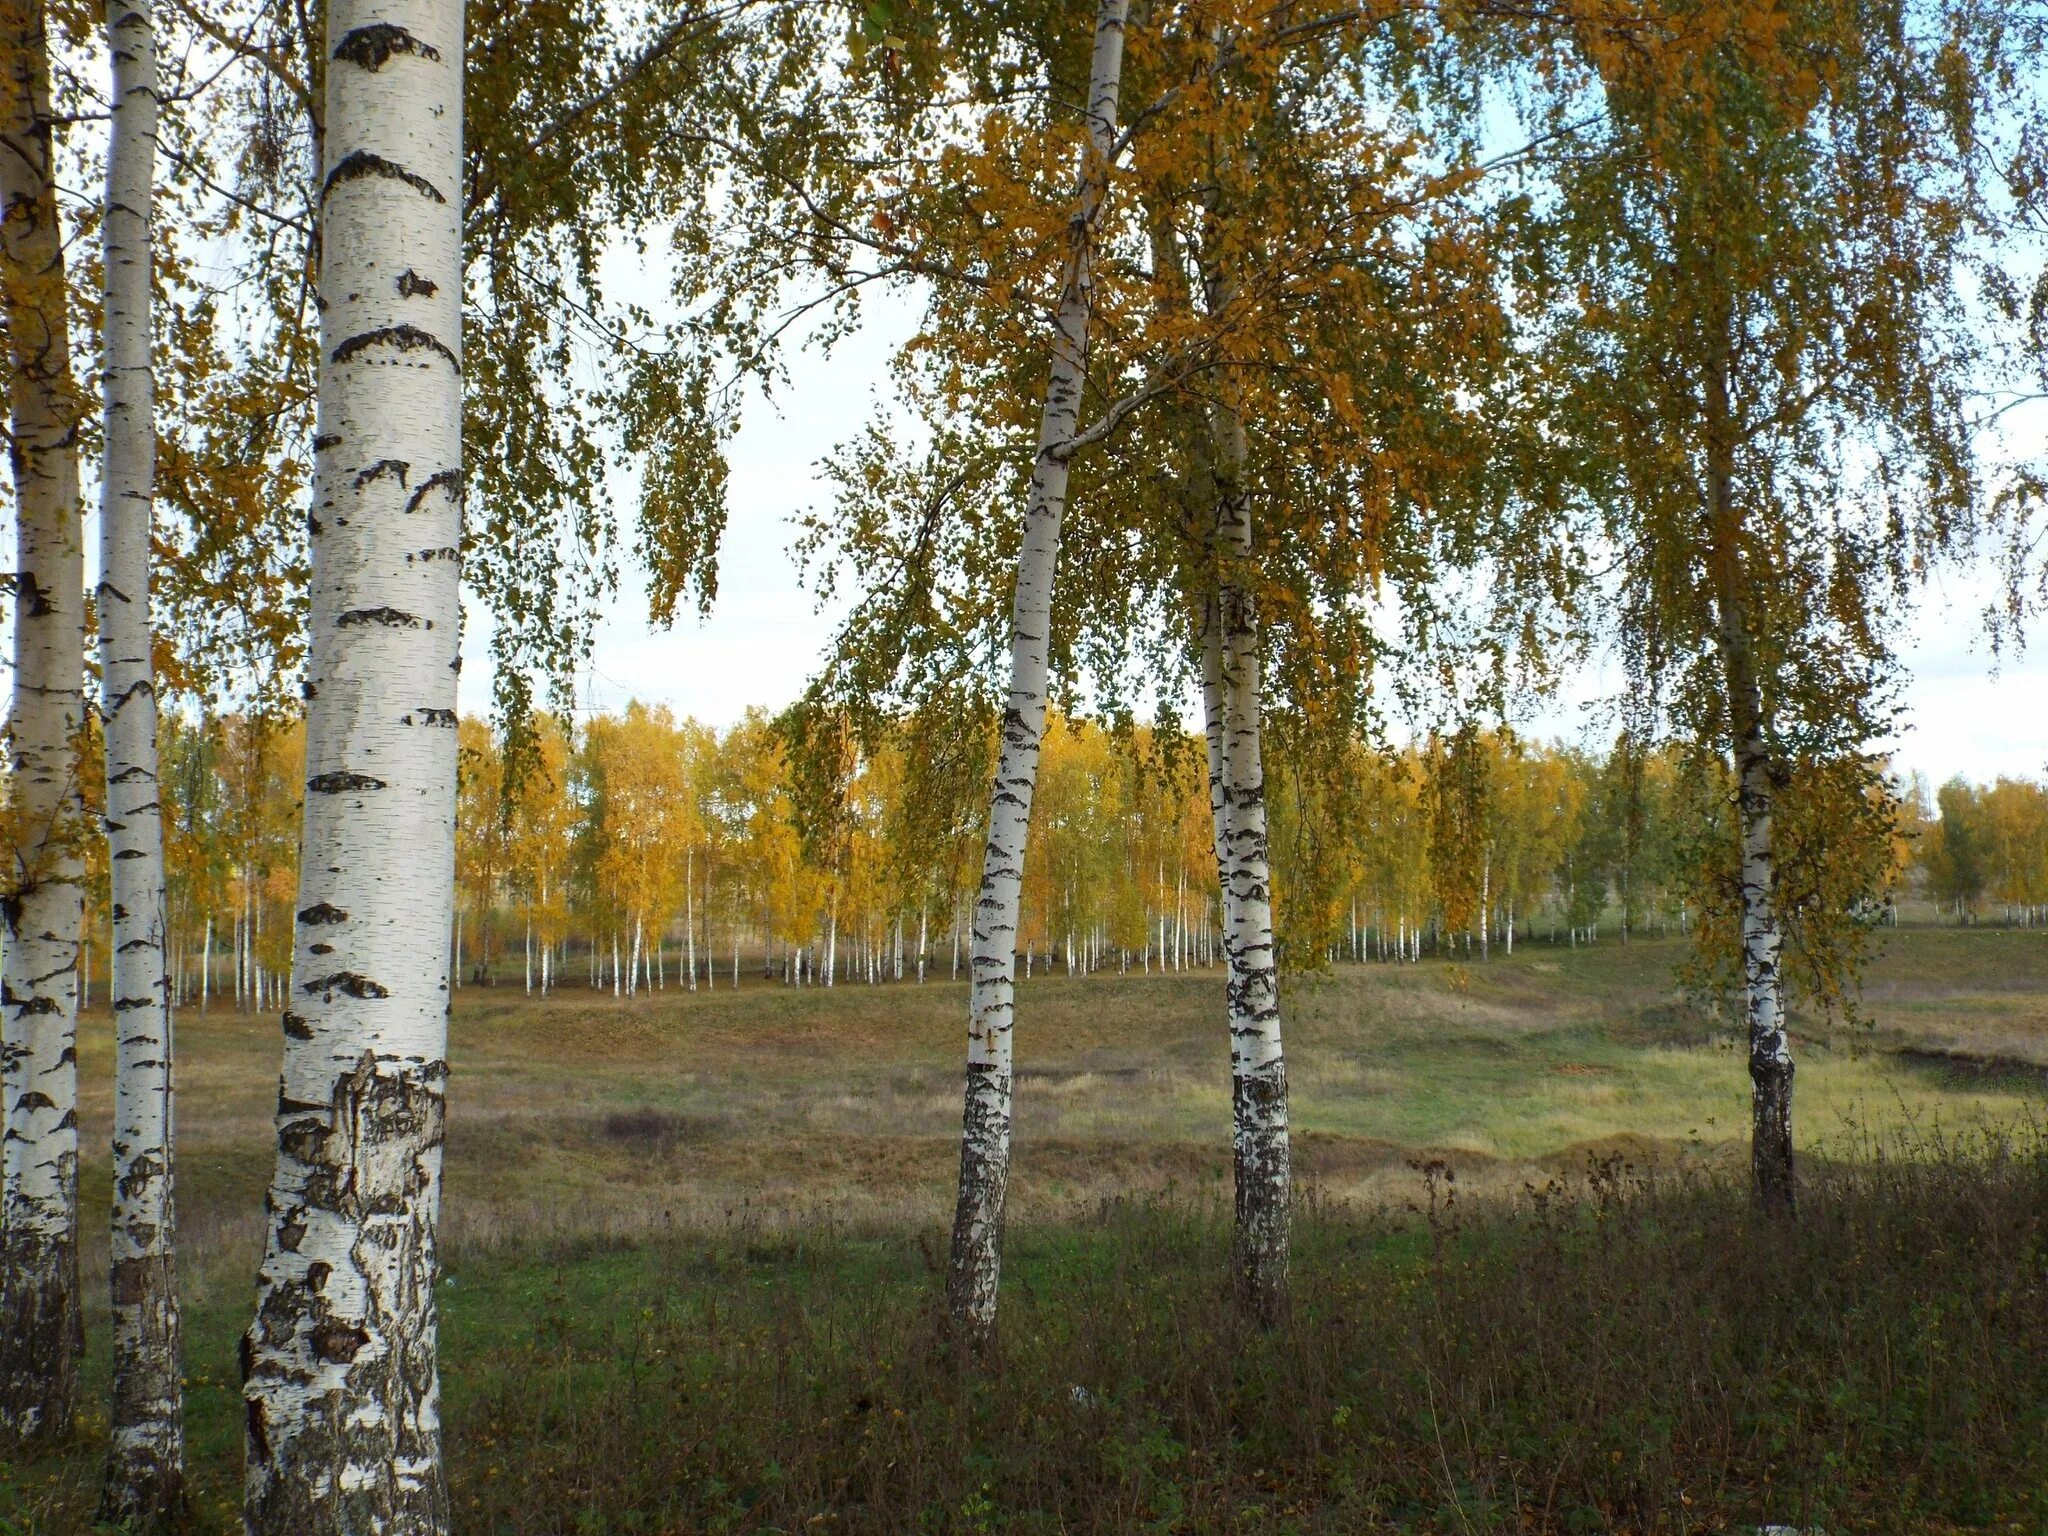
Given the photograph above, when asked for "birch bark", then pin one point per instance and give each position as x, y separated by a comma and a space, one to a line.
1232, 703
40, 1320
145, 1458
976, 1259
1770, 1055
340, 1370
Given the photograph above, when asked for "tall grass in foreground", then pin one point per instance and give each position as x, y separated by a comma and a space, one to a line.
1612, 1352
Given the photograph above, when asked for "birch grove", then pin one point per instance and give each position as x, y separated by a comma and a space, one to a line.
340, 1365
146, 1434
40, 1316
1393, 361
974, 1270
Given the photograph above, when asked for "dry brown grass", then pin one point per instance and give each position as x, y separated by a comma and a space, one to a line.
581, 1113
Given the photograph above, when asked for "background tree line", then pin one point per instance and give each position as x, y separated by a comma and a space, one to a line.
645, 851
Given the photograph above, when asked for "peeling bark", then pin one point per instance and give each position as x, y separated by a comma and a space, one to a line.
41, 1334
975, 1266
339, 1368
146, 1441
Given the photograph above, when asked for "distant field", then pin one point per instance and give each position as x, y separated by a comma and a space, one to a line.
585, 1125
586, 1113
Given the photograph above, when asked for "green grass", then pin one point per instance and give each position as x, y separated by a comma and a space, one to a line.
688, 1235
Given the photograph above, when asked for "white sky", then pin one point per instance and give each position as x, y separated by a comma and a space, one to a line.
764, 637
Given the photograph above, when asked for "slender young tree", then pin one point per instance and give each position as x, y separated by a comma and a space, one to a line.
40, 893
341, 1375
1775, 250
146, 1445
1232, 706
976, 1260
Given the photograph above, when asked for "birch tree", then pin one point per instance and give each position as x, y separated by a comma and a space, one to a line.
976, 1261
1232, 704
1239, 370
42, 898
1775, 244
1287, 188
340, 1368
146, 1451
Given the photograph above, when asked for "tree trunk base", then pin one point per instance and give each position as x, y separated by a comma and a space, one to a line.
41, 1339
143, 1494
974, 1268
144, 1488
1260, 1240
1770, 1151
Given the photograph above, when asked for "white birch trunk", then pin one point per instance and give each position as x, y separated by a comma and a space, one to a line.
1770, 1056
1231, 698
40, 1320
1486, 906
690, 913
340, 1366
146, 1441
976, 1258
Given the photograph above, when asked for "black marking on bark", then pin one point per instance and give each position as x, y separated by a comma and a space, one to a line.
129, 853
375, 46
290, 1233
34, 1099
296, 1027
362, 163
342, 783
322, 949
449, 480
444, 717
32, 594
323, 913
392, 618
403, 338
348, 983
445, 552
338, 1342
398, 467
309, 690
325, 441
128, 1281
411, 284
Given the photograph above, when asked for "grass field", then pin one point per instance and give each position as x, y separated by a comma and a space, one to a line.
690, 1238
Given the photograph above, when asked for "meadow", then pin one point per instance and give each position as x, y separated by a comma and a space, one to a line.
692, 1243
